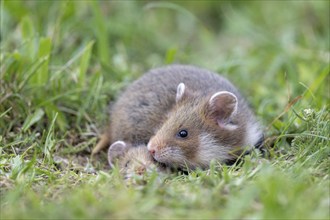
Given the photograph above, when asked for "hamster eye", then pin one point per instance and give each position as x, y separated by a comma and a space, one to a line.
183, 133
126, 164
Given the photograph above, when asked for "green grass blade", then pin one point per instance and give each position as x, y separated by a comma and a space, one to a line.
28, 33
50, 140
32, 119
84, 63
99, 22
42, 75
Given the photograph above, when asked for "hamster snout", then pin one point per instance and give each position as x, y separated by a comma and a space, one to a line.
155, 150
154, 147
137, 167
140, 170
164, 153
152, 152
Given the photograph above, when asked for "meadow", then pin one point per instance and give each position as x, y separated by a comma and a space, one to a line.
63, 62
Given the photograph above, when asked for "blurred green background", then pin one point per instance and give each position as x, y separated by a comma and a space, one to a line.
62, 62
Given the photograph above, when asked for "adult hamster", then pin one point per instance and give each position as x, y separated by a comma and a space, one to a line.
186, 115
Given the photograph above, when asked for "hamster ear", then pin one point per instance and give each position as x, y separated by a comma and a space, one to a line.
181, 92
116, 151
222, 106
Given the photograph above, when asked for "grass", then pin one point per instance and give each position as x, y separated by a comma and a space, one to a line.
62, 62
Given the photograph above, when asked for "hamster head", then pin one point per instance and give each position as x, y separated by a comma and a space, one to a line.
132, 161
198, 130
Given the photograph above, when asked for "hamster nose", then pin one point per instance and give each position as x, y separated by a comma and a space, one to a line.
140, 170
152, 152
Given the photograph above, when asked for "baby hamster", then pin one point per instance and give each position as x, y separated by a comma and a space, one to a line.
132, 161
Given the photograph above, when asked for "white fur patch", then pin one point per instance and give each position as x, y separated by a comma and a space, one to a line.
222, 93
227, 126
149, 146
180, 91
210, 149
253, 134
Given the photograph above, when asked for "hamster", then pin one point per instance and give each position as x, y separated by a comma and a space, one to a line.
132, 161
187, 116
